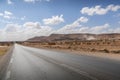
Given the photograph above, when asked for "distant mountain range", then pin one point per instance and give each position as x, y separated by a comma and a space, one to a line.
79, 36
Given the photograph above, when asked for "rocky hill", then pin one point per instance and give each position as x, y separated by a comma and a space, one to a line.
79, 36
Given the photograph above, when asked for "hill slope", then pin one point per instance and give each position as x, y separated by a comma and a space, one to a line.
79, 36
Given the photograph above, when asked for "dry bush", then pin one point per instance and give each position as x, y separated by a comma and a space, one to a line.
93, 49
105, 50
3, 50
117, 52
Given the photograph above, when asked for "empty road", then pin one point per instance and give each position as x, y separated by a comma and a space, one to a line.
28, 63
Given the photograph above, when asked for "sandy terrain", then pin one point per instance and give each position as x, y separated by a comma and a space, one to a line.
3, 50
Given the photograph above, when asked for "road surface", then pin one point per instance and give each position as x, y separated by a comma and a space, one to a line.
28, 63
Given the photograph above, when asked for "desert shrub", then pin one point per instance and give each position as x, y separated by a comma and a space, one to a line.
93, 49
69, 47
106, 51
3, 51
116, 51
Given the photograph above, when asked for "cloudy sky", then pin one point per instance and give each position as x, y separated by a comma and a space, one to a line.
23, 19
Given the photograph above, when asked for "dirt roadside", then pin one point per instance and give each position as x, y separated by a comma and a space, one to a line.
4, 60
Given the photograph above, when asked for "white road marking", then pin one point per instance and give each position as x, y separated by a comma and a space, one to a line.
11, 61
78, 71
8, 75
8, 69
71, 68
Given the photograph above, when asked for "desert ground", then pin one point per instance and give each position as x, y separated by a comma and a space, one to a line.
3, 50
99, 48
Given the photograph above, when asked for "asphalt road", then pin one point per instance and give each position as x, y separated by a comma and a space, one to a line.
28, 63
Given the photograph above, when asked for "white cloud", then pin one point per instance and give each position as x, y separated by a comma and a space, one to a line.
98, 10
114, 30
23, 18
1, 14
74, 25
55, 20
82, 19
29, 0
117, 30
15, 32
12, 28
32, 25
77, 28
113, 7
99, 29
95, 29
9, 2
7, 15
83, 29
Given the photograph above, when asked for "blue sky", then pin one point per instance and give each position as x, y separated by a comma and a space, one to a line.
43, 17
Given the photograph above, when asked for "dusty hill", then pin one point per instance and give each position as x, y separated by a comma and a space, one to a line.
79, 36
